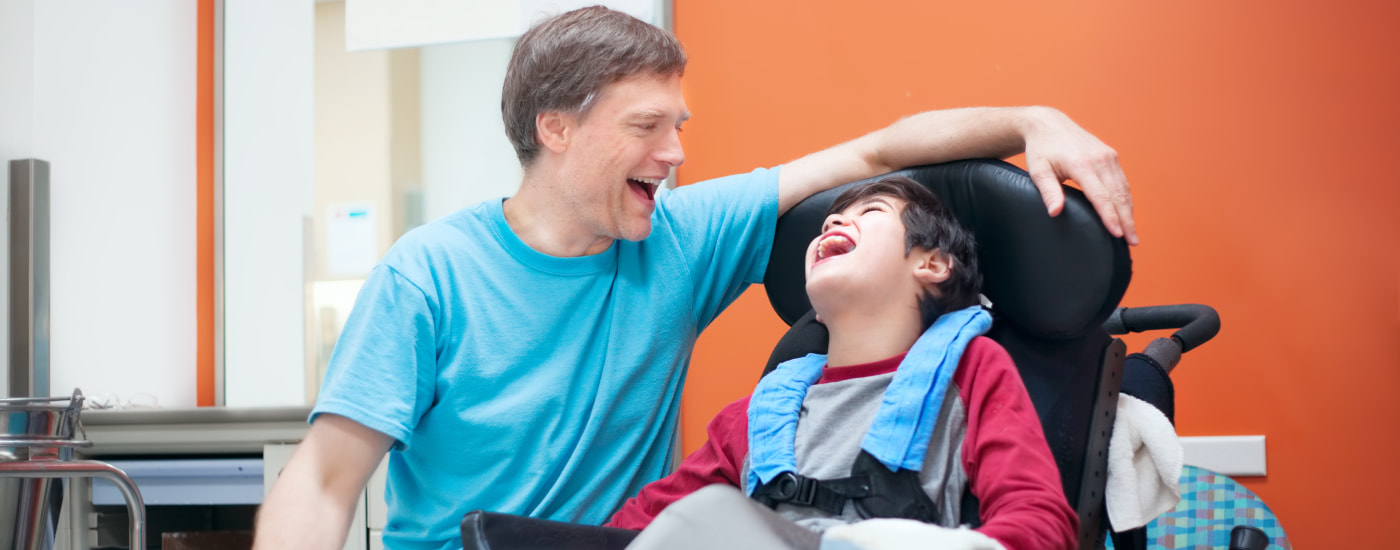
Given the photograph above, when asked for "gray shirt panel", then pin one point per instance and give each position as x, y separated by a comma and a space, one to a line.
831, 425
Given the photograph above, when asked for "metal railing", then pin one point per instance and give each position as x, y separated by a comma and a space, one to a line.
37, 438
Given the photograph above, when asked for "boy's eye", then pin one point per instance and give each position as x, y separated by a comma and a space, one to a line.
870, 208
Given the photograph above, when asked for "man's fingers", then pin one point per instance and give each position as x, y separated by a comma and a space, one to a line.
1103, 201
1045, 180
1116, 185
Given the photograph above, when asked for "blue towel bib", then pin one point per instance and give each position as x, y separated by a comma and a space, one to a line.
907, 416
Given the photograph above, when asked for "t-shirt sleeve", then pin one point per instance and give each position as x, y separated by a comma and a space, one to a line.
1006, 457
724, 228
720, 460
381, 372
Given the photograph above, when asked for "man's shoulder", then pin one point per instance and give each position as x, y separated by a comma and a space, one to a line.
466, 229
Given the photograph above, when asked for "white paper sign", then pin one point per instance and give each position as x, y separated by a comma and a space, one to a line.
352, 239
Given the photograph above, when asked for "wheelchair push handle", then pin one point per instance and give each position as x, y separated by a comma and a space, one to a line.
1197, 323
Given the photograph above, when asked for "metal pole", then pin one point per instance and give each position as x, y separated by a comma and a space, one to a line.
29, 278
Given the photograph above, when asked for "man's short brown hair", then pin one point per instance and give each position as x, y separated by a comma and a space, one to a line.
564, 62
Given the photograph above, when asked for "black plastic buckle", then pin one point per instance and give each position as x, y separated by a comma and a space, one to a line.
790, 487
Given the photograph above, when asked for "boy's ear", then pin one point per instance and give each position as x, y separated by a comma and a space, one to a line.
553, 130
933, 267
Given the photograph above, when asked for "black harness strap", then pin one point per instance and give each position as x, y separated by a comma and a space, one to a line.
875, 491
827, 495
971, 509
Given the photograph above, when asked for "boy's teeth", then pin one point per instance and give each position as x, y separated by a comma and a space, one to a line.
833, 245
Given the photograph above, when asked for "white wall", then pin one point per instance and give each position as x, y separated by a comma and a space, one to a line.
111, 105
16, 134
106, 92
466, 156
268, 174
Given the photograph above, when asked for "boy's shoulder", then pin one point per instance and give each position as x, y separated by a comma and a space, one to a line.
984, 358
734, 416
984, 348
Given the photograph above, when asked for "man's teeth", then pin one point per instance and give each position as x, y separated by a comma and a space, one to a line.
647, 185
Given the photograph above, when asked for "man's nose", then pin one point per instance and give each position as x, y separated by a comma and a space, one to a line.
671, 153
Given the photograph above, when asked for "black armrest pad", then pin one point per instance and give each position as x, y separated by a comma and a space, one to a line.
492, 531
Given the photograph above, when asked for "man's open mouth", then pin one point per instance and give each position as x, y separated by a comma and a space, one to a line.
832, 245
647, 186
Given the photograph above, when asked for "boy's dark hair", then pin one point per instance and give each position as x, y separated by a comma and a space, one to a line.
928, 224
564, 62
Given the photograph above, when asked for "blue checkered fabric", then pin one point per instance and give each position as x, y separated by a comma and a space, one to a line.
1211, 506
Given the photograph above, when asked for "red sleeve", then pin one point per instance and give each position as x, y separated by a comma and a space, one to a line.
1006, 457
720, 460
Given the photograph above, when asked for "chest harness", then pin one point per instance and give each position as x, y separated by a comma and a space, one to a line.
884, 480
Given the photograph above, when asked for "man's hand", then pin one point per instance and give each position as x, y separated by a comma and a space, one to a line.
1057, 149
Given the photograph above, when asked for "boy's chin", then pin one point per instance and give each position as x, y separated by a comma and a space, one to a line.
824, 305
822, 288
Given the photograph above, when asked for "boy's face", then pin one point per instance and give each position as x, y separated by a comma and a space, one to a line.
859, 261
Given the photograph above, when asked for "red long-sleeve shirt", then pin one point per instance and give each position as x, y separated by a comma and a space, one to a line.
1003, 453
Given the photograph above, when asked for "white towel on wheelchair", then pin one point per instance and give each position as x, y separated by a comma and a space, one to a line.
1144, 465
903, 534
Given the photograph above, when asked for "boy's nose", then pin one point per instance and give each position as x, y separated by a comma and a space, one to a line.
834, 220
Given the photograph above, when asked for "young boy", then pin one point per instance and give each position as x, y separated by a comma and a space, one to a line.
910, 407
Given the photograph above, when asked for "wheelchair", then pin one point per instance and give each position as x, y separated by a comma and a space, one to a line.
1053, 283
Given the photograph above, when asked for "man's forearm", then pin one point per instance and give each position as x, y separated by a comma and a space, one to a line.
315, 496
297, 514
925, 138
942, 136
1056, 150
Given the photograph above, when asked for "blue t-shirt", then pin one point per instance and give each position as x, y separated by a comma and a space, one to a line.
519, 382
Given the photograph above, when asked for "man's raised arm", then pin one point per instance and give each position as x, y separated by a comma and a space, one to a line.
1056, 149
312, 502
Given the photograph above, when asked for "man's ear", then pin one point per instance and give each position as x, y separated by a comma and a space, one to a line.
554, 129
932, 267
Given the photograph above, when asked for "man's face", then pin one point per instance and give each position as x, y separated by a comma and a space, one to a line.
859, 259
621, 151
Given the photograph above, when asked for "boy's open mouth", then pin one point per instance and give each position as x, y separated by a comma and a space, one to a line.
646, 186
832, 245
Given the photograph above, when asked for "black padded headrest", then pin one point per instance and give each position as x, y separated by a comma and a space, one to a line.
1050, 277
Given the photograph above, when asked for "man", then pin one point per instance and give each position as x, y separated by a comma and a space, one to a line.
526, 355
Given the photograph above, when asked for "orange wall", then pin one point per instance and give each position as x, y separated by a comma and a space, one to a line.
1260, 141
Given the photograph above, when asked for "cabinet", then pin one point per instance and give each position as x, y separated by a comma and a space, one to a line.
269, 435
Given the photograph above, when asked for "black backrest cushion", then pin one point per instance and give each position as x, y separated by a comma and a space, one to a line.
1052, 281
